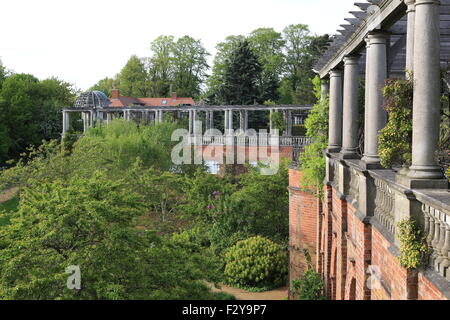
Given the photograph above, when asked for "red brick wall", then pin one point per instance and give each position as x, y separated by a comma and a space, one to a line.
303, 211
350, 254
427, 291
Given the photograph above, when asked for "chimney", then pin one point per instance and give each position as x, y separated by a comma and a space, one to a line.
174, 96
115, 94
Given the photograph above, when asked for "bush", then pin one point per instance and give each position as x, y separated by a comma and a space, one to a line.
256, 262
309, 287
413, 246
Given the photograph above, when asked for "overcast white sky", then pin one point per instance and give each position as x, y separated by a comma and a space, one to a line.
83, 41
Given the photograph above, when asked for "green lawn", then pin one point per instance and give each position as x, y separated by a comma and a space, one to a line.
10, 205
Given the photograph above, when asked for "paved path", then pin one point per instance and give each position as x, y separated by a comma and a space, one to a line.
7, 194
277, 294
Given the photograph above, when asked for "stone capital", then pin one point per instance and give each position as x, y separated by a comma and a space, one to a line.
352, 59
378, 37
336, 73
431, 2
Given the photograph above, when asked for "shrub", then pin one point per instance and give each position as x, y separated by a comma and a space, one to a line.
256, 262
309, 287
413, 246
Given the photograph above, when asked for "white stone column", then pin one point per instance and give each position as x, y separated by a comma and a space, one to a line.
226, 122
197, 123
288, 123
211, 119
335, 116
427, 86
190, 122
411, 14
376, 115
241, 120
351, 108
230, 120
245, 120
64, 122
270, 122
207, 120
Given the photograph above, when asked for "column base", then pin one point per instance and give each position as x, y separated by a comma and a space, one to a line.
421, 183
425, 172
371, 159
349, 154
334, 149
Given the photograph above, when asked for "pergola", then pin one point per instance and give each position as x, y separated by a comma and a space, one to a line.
385, 39
96, 110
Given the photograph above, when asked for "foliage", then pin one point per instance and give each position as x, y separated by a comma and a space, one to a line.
395, 139
256, 261
302, 51
105, 85
413, 246
8, 207
241, 76
30, 112
133, 79
89, 223
312, 161
309, 287
278, 121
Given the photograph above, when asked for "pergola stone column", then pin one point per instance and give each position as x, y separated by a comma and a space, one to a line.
351, 107
191, 121
288, 123
207, 122
226, 122
197, 123
375, 116
335, 116
66, 119
230, 119
271, 122
411, 14
243, 120
211, 119
427, 86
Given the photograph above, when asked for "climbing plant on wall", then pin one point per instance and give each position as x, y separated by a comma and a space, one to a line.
396, 138
312, 161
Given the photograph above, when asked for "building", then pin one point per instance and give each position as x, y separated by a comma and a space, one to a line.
351, 236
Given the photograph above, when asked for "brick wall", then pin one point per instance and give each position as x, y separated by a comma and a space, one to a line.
303, 209
355, 259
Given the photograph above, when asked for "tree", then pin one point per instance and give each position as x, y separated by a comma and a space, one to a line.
241, 77
224, 51
89, 223
268, 46
105, 85
189, 64
302, 51
161, 65
133, 79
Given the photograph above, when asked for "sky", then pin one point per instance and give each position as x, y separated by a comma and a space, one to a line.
83, 41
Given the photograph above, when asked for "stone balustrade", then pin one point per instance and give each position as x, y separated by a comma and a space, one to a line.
384, 205
437, 233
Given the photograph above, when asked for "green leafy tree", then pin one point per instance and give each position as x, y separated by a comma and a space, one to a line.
161, 66
105, 85
302, 51
268, 46
189, 66
90, 223
133, 79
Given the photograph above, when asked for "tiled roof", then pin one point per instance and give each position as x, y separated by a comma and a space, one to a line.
150, 102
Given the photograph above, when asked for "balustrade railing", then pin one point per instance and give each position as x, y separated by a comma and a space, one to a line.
437, 232
384, 205
353, 184
259, 140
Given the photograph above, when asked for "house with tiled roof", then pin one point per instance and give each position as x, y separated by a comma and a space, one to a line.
173, 101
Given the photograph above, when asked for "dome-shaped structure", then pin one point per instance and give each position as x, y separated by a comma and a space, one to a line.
92, 99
